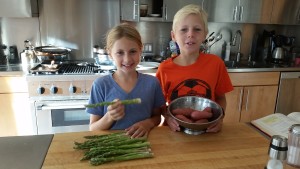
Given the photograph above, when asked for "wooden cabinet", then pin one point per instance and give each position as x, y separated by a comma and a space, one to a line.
254, 96
15, 108
286, 12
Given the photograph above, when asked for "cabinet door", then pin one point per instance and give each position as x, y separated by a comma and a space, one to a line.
170, 7
130, 10
286, 12
15, 114
234, 105
223, 10
258, 101
239, 11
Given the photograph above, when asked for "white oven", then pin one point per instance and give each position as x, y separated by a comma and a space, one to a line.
60, 116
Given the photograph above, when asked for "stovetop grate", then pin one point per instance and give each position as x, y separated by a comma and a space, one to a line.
66, 69
77, 69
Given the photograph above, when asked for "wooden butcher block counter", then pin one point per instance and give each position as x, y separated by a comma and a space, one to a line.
236, 146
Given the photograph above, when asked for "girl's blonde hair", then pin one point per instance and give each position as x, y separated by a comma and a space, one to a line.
120, 31
188, 10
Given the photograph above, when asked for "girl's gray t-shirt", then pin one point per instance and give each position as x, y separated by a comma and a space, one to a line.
147, 88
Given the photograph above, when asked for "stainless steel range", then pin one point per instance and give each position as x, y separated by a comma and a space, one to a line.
58, 93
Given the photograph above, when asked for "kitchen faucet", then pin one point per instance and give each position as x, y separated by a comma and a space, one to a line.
233, 43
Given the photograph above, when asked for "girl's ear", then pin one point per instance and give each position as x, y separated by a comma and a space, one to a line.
173, 36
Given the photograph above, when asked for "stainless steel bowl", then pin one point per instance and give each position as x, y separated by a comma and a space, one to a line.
196, 103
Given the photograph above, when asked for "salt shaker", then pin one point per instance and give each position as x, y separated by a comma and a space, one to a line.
293, 154
277, 152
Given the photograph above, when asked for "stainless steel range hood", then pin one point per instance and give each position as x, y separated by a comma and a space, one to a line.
18, 8
77, 24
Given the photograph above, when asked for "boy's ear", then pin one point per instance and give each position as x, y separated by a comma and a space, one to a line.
173, 36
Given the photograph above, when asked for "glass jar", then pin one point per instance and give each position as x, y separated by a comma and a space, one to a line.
293, 155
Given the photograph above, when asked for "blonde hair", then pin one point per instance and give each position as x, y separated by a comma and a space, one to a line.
188, 10
120, 31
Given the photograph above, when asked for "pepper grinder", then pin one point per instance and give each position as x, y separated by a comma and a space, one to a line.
293, 154
277, 152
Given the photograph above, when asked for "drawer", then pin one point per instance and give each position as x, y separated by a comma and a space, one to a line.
254, 78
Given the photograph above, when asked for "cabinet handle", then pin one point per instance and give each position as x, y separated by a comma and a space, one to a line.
235, 12
247, 100
298, 16
240, 103
241, 13
166, 12
135, 11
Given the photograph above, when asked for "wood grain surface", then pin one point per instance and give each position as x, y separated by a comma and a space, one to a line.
236, 146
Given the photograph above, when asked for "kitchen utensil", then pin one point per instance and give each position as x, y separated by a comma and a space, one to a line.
293, 155
206, 40
147, 65
278, 53
219, 37
51, 53
101, 57
196, 103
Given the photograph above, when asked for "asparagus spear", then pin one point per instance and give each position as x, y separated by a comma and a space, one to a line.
130, 101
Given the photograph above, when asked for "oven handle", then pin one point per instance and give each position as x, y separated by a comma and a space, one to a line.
61, 105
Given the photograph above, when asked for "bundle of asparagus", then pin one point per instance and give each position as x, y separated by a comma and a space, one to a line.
100, 149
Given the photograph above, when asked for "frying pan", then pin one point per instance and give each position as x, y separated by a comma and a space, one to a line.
51, 52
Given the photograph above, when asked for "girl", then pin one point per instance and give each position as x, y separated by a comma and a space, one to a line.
124, 46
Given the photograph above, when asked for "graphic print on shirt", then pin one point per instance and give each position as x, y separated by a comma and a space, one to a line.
191, 87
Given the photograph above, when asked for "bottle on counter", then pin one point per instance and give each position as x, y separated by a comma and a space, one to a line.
227, 52
293, 154
277, 152
28, 57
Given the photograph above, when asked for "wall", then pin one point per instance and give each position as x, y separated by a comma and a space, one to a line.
158, 33
81, 24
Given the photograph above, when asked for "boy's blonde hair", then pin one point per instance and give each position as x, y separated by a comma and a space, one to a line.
188, 10
120, 31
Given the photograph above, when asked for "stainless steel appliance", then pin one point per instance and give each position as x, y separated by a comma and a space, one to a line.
58, 95
289, 93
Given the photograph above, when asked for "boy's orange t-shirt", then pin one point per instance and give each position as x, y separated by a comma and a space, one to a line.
207, 77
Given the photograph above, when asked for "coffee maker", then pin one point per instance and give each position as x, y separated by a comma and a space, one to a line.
262, 46
3, 58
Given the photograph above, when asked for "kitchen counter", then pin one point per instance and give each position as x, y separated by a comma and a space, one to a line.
238, 145
16, 70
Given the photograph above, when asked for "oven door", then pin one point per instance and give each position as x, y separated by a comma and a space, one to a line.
58, 116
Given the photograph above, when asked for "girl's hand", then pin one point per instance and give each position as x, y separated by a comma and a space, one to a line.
116, 111
139, 129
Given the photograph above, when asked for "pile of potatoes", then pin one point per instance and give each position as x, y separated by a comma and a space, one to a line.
193, 116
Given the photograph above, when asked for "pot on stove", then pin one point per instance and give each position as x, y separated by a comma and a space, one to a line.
50, 52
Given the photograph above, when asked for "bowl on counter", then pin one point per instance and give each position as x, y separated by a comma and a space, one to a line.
199, 104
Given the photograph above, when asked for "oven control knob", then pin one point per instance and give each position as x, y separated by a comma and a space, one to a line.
53, 89
40, 90
72, 89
